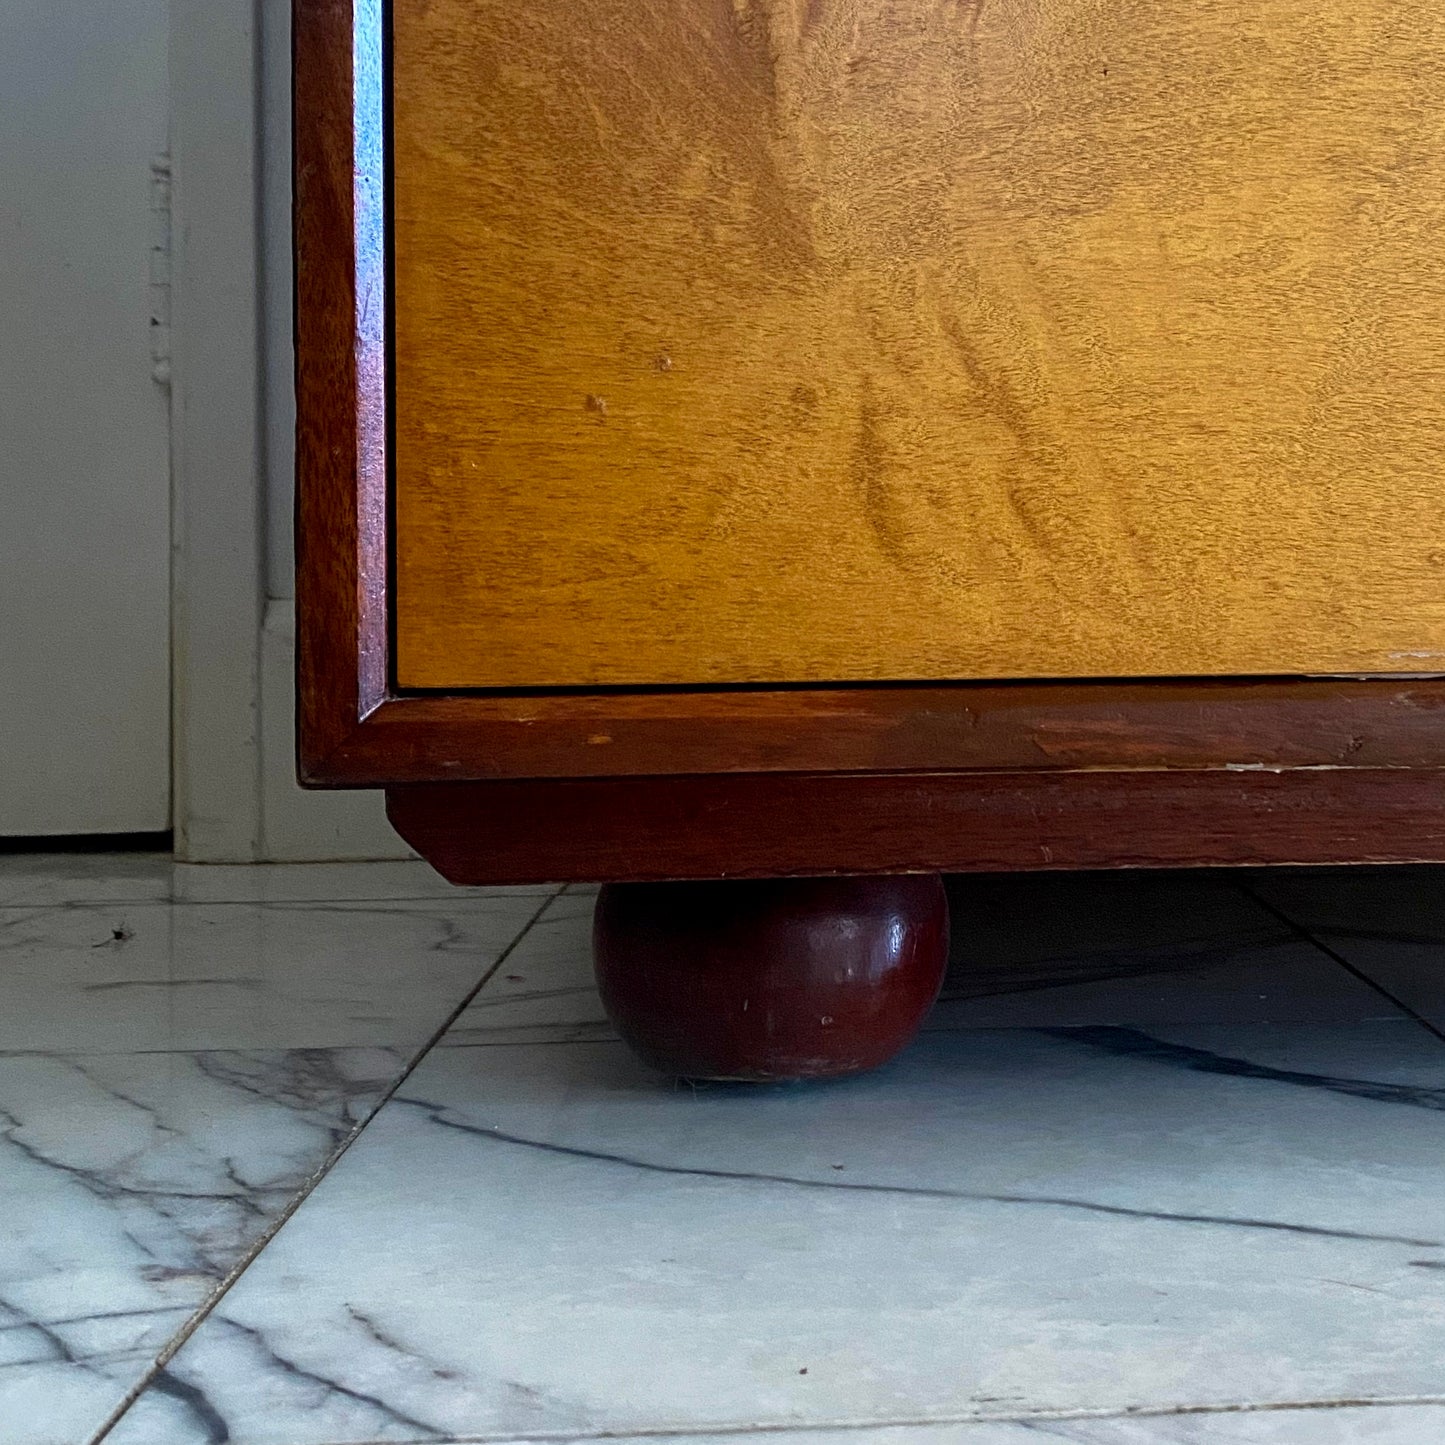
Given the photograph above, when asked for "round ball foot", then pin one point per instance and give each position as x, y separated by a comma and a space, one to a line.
763, 981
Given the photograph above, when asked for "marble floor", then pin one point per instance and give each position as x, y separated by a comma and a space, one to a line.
336, 1155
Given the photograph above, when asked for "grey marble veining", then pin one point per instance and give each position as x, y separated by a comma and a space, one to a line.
1420, 1424
75, 879
545, 993
1006, 1222
396, 880
131, 1184
1134, 955
1159, 1172
80, 879
1406, 903
1015, 920
1360, 1425
172, 1076
1387, 922
133, 976
1140, 948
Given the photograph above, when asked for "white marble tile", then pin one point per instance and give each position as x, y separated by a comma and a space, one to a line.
1418, 1424
1395, 902
130, 1185
1217, 958
1360, 1425
55, 879
1028, 918
49, 879
545, 991
172, 1076
1387, 922
328, 882
1281, 981
1137, 948
141, 975
543, 1239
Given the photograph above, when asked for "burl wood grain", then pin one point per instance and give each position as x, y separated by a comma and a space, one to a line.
806, 340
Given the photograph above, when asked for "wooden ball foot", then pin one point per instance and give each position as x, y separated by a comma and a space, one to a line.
763, 981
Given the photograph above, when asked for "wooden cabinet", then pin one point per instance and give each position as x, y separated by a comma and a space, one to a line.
791, 437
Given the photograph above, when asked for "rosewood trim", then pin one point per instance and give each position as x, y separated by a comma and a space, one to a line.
642, 829
1225, 725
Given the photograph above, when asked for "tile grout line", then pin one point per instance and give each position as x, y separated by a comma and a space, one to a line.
805, 1428
335, 905
204, 1310
683, 1433
1308, 935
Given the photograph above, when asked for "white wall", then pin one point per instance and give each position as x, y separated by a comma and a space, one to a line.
296, 825
84, 471
235, 653
279, 398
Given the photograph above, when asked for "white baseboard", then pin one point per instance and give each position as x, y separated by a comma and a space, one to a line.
298, 826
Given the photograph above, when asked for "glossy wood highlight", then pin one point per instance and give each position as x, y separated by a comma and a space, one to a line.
768, 981
755, 340
341, 479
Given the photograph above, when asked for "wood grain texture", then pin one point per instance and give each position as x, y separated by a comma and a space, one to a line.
1234, 726
773, 826
1097, 774
761, 340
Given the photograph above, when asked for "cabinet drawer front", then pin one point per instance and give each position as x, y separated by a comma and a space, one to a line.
771, 341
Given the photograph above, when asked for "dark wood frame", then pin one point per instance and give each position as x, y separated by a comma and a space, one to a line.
788, 780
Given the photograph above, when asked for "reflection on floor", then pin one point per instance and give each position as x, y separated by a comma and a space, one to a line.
330, 1155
